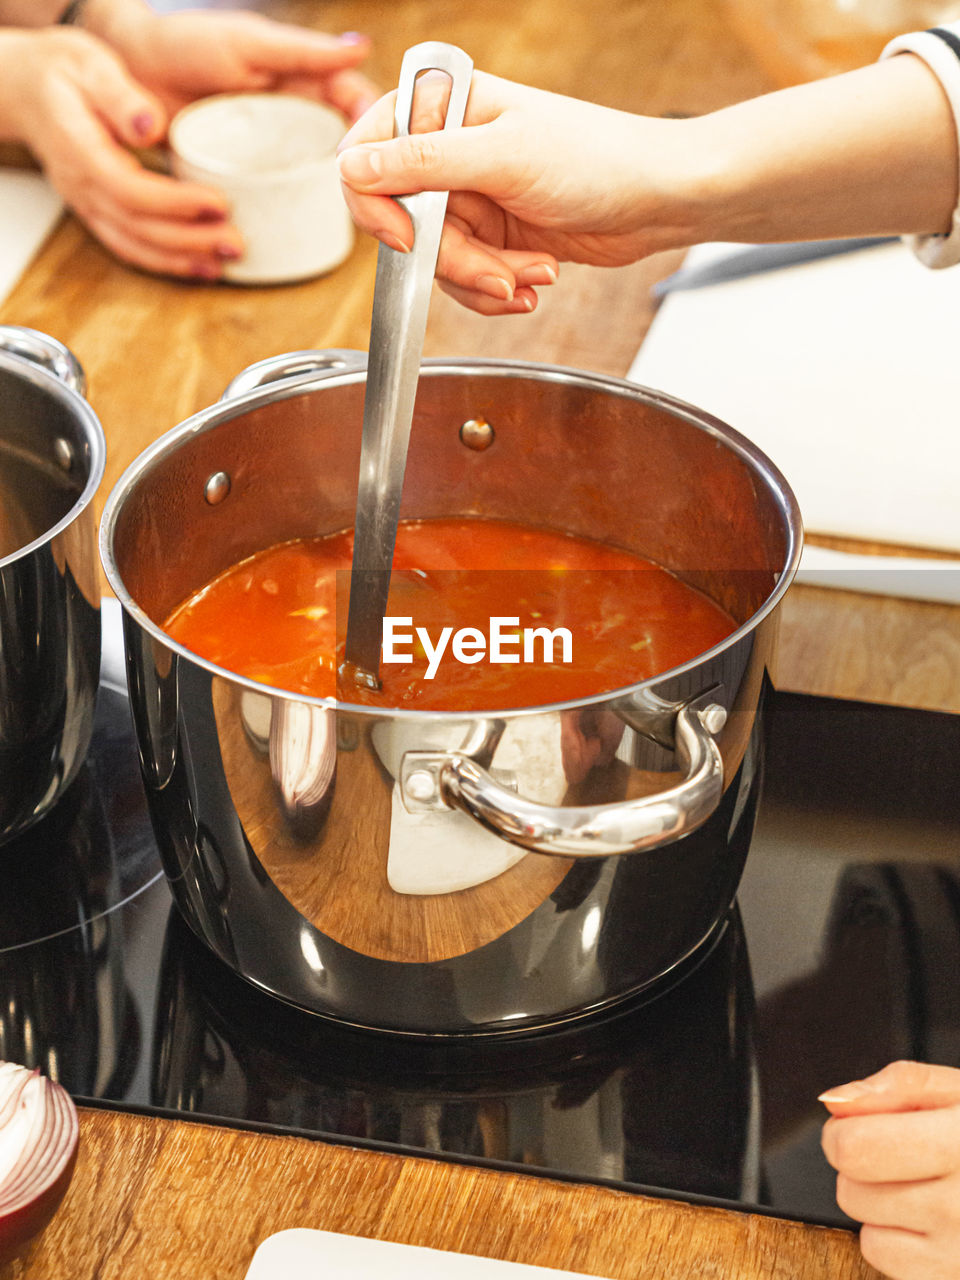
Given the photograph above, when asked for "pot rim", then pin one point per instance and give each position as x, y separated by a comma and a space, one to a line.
225, 410
93, 433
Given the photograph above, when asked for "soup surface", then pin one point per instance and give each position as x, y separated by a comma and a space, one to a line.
280, 617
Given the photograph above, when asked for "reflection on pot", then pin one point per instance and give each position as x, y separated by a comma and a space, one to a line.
661, 1095
300, 742
330, 923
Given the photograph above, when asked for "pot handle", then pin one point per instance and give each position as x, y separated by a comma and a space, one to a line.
39, 348
431, 781
294, 364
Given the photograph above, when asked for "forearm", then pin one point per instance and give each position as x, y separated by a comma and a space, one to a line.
30, 13
873, 152
115, 21
92, 13
111, 20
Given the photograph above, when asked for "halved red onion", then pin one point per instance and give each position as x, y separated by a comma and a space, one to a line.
38, 1149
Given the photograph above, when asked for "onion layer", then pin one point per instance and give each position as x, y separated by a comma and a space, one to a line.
38, 1149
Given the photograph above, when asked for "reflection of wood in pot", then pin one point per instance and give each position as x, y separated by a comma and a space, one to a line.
15, 527
33, 498
275, 617
337, 878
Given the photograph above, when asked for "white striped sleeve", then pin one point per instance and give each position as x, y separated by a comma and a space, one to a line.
940, 50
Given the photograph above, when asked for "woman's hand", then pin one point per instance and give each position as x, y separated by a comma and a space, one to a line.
894, 1140
535, 179
183, 56
72, 101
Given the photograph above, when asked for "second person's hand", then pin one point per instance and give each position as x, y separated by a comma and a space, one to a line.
894, 1140
71, 100
182, 56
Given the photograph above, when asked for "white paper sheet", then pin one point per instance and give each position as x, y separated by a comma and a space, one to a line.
845, 371
909, 577
302, 1254
29, 210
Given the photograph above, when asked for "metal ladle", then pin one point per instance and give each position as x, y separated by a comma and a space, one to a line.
401, 301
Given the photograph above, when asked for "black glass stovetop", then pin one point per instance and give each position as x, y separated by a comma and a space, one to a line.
842, 955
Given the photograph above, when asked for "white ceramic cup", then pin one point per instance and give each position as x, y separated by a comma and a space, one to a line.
274, 157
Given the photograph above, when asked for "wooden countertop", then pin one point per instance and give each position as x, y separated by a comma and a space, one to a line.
159, 1198
165, 1200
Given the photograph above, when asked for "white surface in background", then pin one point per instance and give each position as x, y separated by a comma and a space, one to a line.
29, 209
300, 1254
113, 666
910, 577
845, 371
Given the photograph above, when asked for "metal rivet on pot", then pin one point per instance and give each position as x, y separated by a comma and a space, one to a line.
63, 452
477, 434
421, 785
217, 487
713, 718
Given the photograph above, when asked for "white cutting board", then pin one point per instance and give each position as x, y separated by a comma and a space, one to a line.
301, 1254
845, 371
29, 210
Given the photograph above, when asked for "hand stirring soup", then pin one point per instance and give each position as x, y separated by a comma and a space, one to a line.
280, 616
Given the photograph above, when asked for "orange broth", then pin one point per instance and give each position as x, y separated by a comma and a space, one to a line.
279, 617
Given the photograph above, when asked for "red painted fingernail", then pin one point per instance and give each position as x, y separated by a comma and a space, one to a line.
142, 124
211, 215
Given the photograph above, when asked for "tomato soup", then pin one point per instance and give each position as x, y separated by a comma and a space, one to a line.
511, 591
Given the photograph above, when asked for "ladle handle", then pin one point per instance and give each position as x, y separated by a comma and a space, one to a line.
401, 301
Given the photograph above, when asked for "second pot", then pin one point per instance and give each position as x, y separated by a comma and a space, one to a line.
52, 455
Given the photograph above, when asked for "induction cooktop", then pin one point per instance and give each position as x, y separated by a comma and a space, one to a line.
841, 955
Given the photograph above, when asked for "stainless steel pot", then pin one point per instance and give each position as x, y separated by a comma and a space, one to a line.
52, 454
441, 874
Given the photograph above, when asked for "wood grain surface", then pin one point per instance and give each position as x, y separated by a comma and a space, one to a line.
163, 1200
157, 1198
